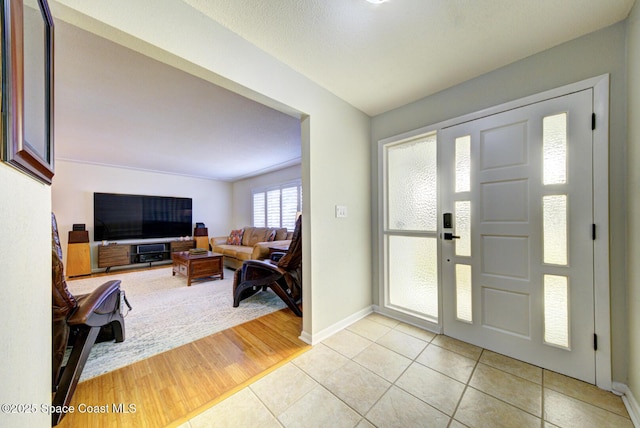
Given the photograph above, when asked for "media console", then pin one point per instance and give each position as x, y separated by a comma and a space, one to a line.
141, 252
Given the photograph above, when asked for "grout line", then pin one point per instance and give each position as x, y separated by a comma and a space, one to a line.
466, 385
275, 417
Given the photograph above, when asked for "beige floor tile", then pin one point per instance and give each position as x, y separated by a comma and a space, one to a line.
282, 387
414, 331
347, 343
585, 392
320, 362
477, 409
447, 362
369, 329
318, 409
565, 411
381, 319
351, 374
402, 343
513, 366
398, 408
514, 390
356, 386
243, 409
434, 388
462, 348
383, 362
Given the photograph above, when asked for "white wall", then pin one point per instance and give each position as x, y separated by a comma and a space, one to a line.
74, 184
589, 56
633, 196
25, 281
335, 136
242, 200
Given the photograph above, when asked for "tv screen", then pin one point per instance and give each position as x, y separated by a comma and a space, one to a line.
118, 216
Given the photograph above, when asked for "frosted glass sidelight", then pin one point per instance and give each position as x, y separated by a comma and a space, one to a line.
463, 228
463, 293
554, 149
412, 185
463, 164
554, 213
413, 274
556, 310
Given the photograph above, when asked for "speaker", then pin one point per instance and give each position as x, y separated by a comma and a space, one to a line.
78, 227
77, 237
201, 231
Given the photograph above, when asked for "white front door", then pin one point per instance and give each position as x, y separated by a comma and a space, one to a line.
516, 188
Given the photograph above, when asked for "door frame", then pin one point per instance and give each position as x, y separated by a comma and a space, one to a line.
602, 304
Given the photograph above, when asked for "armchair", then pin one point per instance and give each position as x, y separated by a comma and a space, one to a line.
284, 277
77, 320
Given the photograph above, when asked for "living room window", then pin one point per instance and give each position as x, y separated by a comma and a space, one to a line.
277, 206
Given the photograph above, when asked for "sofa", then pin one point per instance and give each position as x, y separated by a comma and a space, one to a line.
250, 243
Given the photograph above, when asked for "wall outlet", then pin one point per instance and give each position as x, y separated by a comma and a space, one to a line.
341, 211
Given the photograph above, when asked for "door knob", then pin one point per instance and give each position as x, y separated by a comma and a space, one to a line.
450, 236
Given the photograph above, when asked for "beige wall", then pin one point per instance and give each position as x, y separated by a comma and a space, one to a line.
589, 56
74, 184
25, 278
335, 140
633, 196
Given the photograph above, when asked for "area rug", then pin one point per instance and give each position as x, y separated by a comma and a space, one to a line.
167, 314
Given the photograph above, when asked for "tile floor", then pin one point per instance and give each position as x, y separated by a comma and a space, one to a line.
384, 373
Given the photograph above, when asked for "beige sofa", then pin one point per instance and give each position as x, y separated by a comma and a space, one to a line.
255, 245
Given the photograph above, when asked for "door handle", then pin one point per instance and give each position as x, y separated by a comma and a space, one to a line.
450, 236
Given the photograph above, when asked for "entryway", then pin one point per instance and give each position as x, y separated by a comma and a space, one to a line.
491, 226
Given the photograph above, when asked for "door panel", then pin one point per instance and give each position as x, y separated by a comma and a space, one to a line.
524, 258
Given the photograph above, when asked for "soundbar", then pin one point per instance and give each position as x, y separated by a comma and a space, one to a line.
150, 248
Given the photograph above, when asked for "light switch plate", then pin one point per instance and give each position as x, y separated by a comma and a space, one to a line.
341, 211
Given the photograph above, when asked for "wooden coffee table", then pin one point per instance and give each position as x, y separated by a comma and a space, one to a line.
197, 266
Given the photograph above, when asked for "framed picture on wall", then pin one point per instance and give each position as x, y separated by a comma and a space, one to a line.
27, 87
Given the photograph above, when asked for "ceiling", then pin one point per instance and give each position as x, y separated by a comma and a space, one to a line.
381, 56
117, 107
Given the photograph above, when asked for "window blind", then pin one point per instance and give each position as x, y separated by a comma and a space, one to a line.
277, 206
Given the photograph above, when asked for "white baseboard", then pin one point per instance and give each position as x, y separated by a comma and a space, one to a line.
630, 402
305, 337
315, 338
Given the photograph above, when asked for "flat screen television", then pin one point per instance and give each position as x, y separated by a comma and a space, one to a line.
119, 216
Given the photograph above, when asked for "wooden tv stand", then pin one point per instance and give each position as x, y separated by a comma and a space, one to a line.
127, 254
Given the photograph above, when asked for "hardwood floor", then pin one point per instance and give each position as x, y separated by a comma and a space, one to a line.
170, 388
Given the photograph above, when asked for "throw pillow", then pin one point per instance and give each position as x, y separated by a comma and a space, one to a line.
272, 236
235, 237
